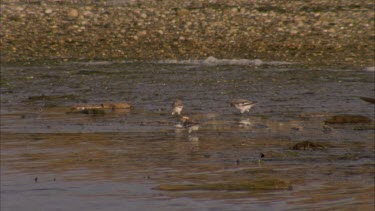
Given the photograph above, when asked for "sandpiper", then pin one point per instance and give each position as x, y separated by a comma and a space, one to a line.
177, 107
243, 105
190, 124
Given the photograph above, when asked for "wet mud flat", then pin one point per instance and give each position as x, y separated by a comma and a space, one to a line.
137, 158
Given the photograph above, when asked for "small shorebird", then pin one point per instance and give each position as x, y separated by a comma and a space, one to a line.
190, 124
243, 105
177, 107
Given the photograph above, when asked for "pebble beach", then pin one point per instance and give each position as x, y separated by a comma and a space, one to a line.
320, 33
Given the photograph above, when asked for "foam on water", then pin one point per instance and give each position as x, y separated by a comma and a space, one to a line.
212, 61
370, 69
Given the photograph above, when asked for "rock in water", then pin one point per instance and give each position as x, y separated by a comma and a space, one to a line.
307, 145
368, 99
73, 13
347, 119
210, 61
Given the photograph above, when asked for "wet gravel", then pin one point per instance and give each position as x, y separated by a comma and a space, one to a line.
322, 33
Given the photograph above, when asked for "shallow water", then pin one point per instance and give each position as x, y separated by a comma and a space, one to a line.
114, 161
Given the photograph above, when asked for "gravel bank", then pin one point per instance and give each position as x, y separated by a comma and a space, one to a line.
321, 33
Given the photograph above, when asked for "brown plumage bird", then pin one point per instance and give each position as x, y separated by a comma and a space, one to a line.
190, 124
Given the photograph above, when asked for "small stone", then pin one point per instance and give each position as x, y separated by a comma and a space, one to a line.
19, 8
142, 33
182, 12
73, 13
48, 11
257, 62
87, 14
234, 10
144, 16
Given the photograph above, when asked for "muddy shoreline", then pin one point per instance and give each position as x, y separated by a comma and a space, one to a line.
307, 144
323, 33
